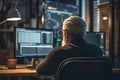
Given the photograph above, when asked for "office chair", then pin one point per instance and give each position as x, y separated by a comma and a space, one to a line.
84, 68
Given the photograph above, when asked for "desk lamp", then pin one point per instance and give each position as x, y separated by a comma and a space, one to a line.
13, 14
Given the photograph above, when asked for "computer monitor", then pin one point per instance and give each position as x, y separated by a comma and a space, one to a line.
96, 38
32, 42
56, 12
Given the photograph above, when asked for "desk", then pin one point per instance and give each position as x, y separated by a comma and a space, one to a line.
19, 72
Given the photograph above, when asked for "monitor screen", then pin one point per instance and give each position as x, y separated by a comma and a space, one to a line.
96, 38
31, 42
56, 12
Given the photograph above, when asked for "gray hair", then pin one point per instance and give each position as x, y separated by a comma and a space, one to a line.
76, 25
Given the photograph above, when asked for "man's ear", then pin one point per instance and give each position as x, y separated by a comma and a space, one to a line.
67, 35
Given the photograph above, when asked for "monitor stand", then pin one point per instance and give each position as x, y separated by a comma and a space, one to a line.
31, 65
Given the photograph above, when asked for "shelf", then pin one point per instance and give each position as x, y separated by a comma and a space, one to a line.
6, 30
4, 50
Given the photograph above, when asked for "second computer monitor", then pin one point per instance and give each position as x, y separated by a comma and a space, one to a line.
96, 38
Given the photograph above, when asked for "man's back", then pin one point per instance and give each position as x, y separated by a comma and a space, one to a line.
76, 48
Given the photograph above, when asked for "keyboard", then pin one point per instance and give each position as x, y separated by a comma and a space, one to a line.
21, 66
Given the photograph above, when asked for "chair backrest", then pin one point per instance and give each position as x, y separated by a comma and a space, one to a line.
84, 68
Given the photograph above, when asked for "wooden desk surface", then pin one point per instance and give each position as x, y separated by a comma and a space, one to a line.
19, 70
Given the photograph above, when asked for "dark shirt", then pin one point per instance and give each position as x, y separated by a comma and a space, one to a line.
76, 48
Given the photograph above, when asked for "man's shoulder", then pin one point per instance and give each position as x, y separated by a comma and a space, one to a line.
95, 49
55, 50
92, 46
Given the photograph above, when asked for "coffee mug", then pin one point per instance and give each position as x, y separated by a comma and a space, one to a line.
12, 63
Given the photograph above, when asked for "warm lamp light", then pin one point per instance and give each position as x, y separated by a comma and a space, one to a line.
13, 14
105, 18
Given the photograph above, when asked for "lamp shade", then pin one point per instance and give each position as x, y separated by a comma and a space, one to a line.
13, 15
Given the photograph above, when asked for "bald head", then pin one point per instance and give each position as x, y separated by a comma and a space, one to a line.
76, 26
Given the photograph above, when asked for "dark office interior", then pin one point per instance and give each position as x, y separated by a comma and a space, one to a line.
102, 18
